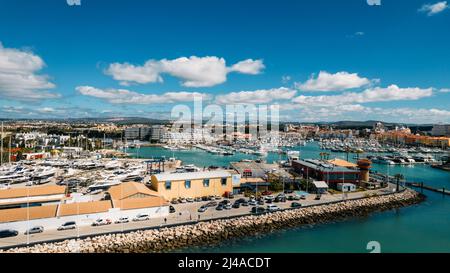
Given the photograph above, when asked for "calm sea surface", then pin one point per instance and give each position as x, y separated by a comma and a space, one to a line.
420, 228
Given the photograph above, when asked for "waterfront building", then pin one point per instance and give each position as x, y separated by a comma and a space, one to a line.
441, 130
133, 195
192, 184
137, 133
325, 171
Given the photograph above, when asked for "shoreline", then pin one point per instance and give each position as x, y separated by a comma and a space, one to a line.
214, 232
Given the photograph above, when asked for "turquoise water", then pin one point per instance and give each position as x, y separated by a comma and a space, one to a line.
420, 228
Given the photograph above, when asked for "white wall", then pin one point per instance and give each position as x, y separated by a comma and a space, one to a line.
85, 219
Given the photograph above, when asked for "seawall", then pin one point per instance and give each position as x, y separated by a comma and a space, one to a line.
216, 231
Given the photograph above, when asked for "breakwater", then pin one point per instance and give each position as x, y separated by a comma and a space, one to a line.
216, 231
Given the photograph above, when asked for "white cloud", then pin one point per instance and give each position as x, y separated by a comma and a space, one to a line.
249, 66
193, 71
445, 90
333, 82
119, 96
378, 94
130, 73
257, 96
18, 78
432, 9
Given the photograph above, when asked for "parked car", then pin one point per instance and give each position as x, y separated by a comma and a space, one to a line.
269, 197
197, 199
204, 198
303, 197
182, 200
219, 207
175, 201
33, 230
253, 203
171, 209
122, 220
101, 222
288, 191
202, 209
227, 206
141, 217
216, 197
224, 202
190, 200
318, 196
258, 210
280, 199
245, 203
236, 205
273, 208
261, 202
8, 233
68, 225
240, 200
295, 205
211, 204
266, 193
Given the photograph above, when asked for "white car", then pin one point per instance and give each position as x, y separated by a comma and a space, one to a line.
122, 220
252, 203
68, 225
273, 208
269, 197
228, 206
101, 222
141, 217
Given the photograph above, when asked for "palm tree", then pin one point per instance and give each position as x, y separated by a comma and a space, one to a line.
398, 177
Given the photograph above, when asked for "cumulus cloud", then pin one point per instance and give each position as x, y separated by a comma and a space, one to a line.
18, 76
445, 90
193, 71
432, 9
378, 94
333, 82
257, 96
249, 66
120, 96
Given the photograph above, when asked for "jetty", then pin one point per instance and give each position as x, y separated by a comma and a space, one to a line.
422, 186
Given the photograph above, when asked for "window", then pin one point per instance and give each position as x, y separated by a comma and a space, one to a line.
223, 181
168, 185
187, 184
205, 182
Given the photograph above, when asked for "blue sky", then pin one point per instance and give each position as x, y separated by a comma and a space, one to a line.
319, 60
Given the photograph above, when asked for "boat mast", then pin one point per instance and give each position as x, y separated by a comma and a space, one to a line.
1, 148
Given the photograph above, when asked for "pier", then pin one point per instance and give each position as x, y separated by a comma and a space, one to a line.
422, 186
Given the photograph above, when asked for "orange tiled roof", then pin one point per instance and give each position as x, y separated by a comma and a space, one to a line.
23, 214
84, 208
139, 203
32, 191
127, 189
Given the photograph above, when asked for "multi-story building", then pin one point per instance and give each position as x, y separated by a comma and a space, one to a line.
441, 130
192, 184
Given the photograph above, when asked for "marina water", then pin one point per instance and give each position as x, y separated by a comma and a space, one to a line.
421, 228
